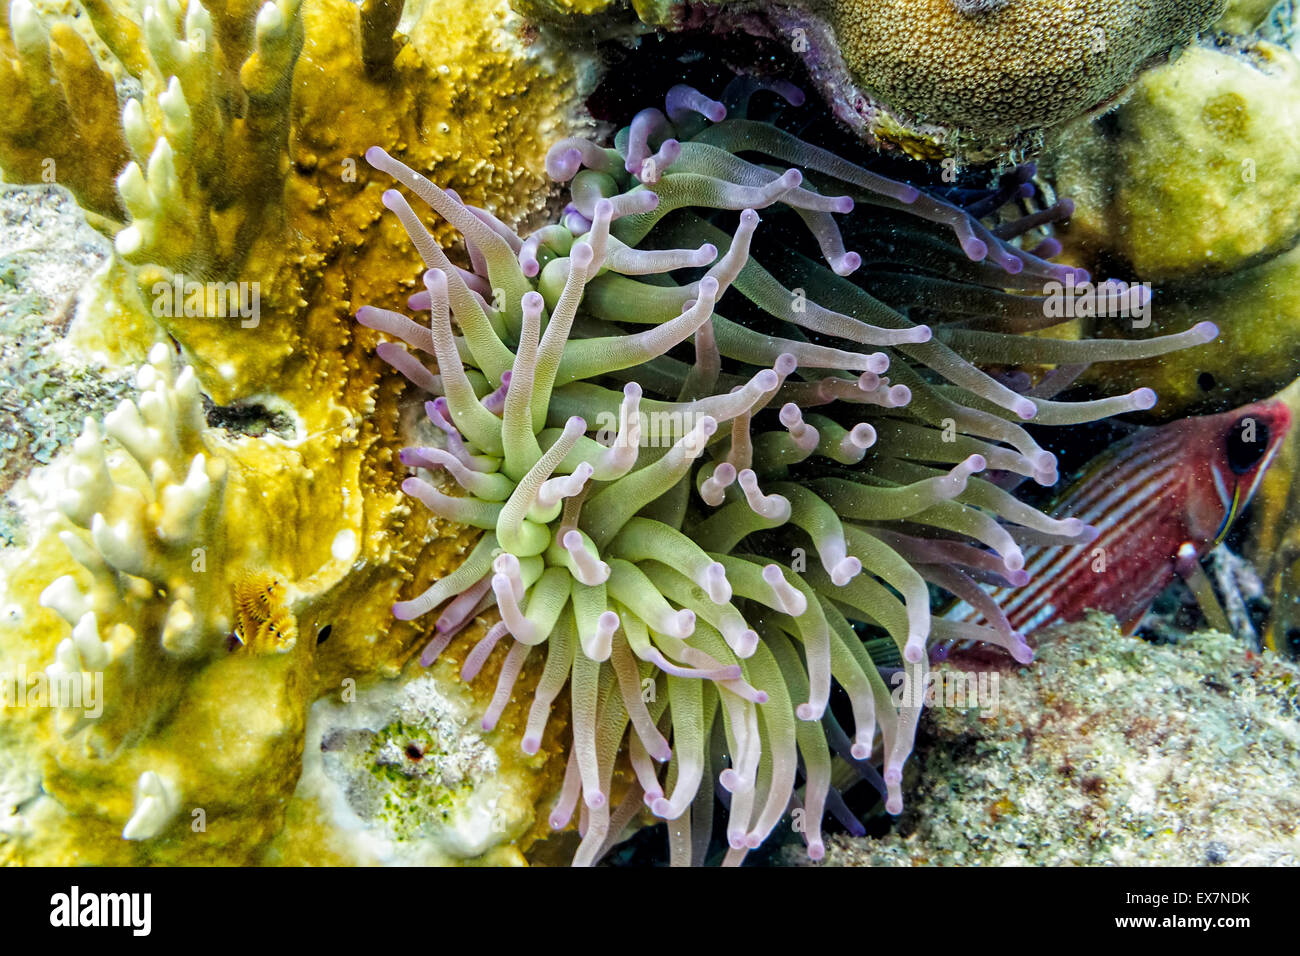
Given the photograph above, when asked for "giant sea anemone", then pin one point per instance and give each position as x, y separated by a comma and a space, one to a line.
653, 408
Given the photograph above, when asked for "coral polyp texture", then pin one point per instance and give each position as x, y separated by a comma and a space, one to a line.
707, 462
1000, 67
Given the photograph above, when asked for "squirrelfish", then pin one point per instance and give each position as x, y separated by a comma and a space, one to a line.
1157, 502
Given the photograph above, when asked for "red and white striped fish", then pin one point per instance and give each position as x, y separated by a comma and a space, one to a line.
1160, 500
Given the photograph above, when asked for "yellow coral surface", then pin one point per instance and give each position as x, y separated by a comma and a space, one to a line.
1198, 172
1192, 185
222, 146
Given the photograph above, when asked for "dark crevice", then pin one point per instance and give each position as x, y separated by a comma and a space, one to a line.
248, 419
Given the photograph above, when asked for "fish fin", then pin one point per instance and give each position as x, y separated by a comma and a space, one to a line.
1229, 518
1202, 589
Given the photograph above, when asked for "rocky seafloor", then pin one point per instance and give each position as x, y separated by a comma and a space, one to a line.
1108, 751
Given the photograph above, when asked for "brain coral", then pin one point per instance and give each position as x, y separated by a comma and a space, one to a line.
1006, 66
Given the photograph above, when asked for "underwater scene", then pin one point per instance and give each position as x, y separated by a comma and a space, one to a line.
646, 433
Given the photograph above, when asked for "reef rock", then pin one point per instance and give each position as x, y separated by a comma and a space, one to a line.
1110, 751
402, 772
1198, 173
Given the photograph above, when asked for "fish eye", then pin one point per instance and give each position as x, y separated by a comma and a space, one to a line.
1246, 443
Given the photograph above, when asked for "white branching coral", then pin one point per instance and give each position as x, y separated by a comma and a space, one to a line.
142, 513
180, 177
142, 516
156, 802
162, 589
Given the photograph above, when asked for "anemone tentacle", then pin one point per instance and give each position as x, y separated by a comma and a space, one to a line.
646, 509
